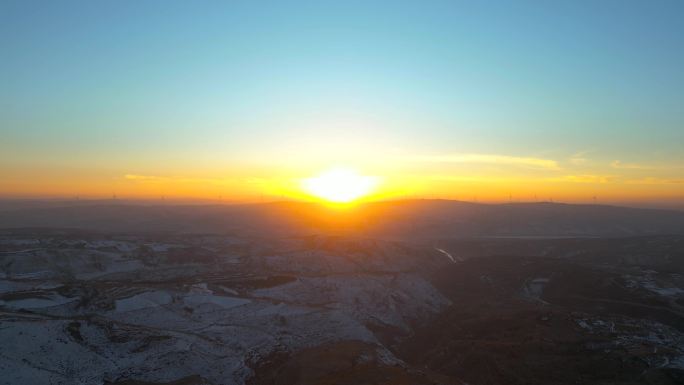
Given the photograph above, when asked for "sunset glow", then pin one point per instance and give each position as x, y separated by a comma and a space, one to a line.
306, 192
339, 185
241, 103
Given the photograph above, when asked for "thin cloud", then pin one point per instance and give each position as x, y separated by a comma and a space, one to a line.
636, 166
145, 178
629, 166
656, 181
579, 158
137, 178
547, 164
584, 178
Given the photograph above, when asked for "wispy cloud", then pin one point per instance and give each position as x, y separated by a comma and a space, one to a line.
579, 158
584, 178
656, 181
590, 178
180, 179
629, 166
145, 178
506, 160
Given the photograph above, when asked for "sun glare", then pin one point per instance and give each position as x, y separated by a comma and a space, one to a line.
339, 185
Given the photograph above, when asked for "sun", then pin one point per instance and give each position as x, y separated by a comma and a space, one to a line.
339, 185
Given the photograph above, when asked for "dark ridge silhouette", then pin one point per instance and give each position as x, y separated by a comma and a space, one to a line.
416, 219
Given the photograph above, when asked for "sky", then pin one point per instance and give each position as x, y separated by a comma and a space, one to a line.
472, 100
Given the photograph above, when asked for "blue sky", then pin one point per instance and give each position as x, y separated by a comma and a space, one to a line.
161, 87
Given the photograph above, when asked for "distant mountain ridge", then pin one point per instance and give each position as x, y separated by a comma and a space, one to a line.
414, 219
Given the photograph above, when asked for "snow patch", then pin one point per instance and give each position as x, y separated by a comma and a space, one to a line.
38, 303
451, 257
224, 302
144, 300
